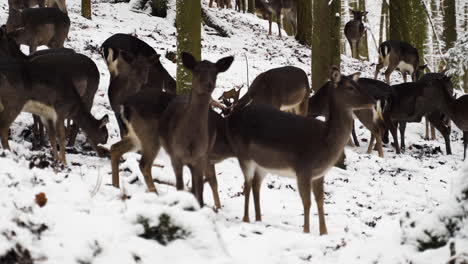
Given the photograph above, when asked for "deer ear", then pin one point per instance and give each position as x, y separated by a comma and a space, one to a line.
355, 76
335, 76
224, 63
104, 121
127, 56
188, 60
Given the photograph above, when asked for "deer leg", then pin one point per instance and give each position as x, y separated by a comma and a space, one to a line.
357, 50
257, 184
197, 172
72, 134
445, 131
248, 169
405, 77
402, 127
278, 21
304, 186
355, 138
426, 137
391, 67
377, 69
317, 186
117, 150
146, 163
4, 129
60, 126
53, 139
178, 171
393, 130
371, 143
210, 174
210, 5
32, 48
38, 130
433, 133
378, 138
269, 24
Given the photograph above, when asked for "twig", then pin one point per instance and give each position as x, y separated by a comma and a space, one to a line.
247, 67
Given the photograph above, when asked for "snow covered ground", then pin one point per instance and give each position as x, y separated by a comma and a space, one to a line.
79, 224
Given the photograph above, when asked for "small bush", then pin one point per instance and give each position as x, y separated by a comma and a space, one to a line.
164, 232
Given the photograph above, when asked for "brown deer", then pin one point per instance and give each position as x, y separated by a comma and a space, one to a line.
289, 7
80, 68
28, 87
265, 139
285, 88
372, 119
40, 26
187, 132
401, 56
354, 30
22, 4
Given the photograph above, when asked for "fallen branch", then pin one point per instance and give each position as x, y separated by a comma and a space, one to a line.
210, 21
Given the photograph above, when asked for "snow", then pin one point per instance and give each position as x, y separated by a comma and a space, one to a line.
364, 204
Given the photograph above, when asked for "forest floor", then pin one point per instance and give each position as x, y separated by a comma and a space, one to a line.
84, 224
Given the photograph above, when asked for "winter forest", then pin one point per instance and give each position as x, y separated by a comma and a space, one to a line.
233, 131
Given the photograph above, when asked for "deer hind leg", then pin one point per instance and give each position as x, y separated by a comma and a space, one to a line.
377, 69
433, 133
53, 138
378, 138
197, 172
371, 143
304, 186
117, 150
402, 127
270, 22
177, 166
317, 186
146, 163
391, 67
355, 138
257, 184
60, 127
445, 131
248, 169
210, 174
38, 131
278, 21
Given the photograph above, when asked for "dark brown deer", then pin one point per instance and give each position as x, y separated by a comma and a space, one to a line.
354, 30
78, 67
409, 102
285, 88
22, 4
289, 7
28, 87
40, 26
372, 119
187, 134
265, 139
401, 56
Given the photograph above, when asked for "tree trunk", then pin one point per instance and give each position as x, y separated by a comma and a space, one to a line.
383, 31
408, 23
86, 8
304, 22
188, 25
159, 8
251, 6
450, 23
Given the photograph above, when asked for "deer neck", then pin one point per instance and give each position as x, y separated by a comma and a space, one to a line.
339, 123
199, 105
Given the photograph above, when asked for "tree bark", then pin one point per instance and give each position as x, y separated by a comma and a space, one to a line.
383, 22
450, 23
304, 22
251, 6
86, 8
408, 23
159, 8
188, 25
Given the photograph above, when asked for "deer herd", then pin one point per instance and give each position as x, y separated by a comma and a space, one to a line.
59, 84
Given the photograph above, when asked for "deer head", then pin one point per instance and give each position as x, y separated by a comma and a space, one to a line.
358, 15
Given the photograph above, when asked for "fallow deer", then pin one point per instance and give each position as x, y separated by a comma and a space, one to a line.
265, 139
401, 56
289, 7
187, 133
354, 30
28, 87
285, 88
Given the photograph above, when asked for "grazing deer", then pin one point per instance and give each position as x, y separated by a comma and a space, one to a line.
265, 139
187, 133
371, 118
80, 68
401, 56
409, 102
354, 30
285, 88
289, 7
26, 86
40, 26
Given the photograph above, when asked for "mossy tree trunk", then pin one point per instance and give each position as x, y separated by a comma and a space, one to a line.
160, 8
188, 24
251, 6
86, 8
450, 23
383, 31
408, 23
304, 22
